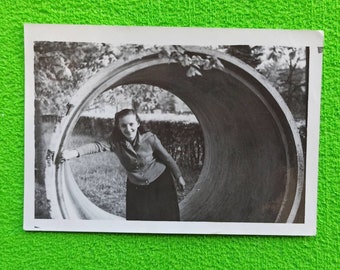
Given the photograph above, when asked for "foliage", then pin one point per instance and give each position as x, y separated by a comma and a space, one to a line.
249, 55
184, 141
143, 98
62, 67
285, 69
194, 62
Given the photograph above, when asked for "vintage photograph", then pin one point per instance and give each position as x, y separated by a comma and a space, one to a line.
132, 133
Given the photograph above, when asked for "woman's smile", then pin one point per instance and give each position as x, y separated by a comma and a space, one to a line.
128, 125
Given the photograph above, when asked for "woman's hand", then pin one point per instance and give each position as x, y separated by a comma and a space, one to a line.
68, 154
181, 183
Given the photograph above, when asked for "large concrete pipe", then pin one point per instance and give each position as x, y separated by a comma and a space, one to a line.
253, 169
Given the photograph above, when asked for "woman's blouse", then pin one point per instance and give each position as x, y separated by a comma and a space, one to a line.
144, 161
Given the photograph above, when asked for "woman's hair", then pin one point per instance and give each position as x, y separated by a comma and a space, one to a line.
116, 133
124, 113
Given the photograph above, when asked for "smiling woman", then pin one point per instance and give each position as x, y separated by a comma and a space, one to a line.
128, 125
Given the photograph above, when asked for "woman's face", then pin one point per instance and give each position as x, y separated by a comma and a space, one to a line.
128, 125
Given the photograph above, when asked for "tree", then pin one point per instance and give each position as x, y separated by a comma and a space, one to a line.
249, 55
285, 68
61, 67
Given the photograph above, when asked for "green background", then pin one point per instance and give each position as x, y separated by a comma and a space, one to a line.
50, 250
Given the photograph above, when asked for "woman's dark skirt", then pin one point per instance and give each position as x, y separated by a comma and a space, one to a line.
157, 201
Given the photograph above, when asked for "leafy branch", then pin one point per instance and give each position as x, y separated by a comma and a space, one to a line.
195, 63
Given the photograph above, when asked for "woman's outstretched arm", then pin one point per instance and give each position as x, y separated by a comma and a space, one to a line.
90, 148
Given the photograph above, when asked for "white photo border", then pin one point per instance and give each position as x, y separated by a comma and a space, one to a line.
181, 36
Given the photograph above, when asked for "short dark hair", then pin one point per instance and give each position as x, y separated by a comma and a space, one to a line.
123, 113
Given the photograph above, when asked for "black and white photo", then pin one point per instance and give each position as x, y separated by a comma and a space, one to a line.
171, 130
